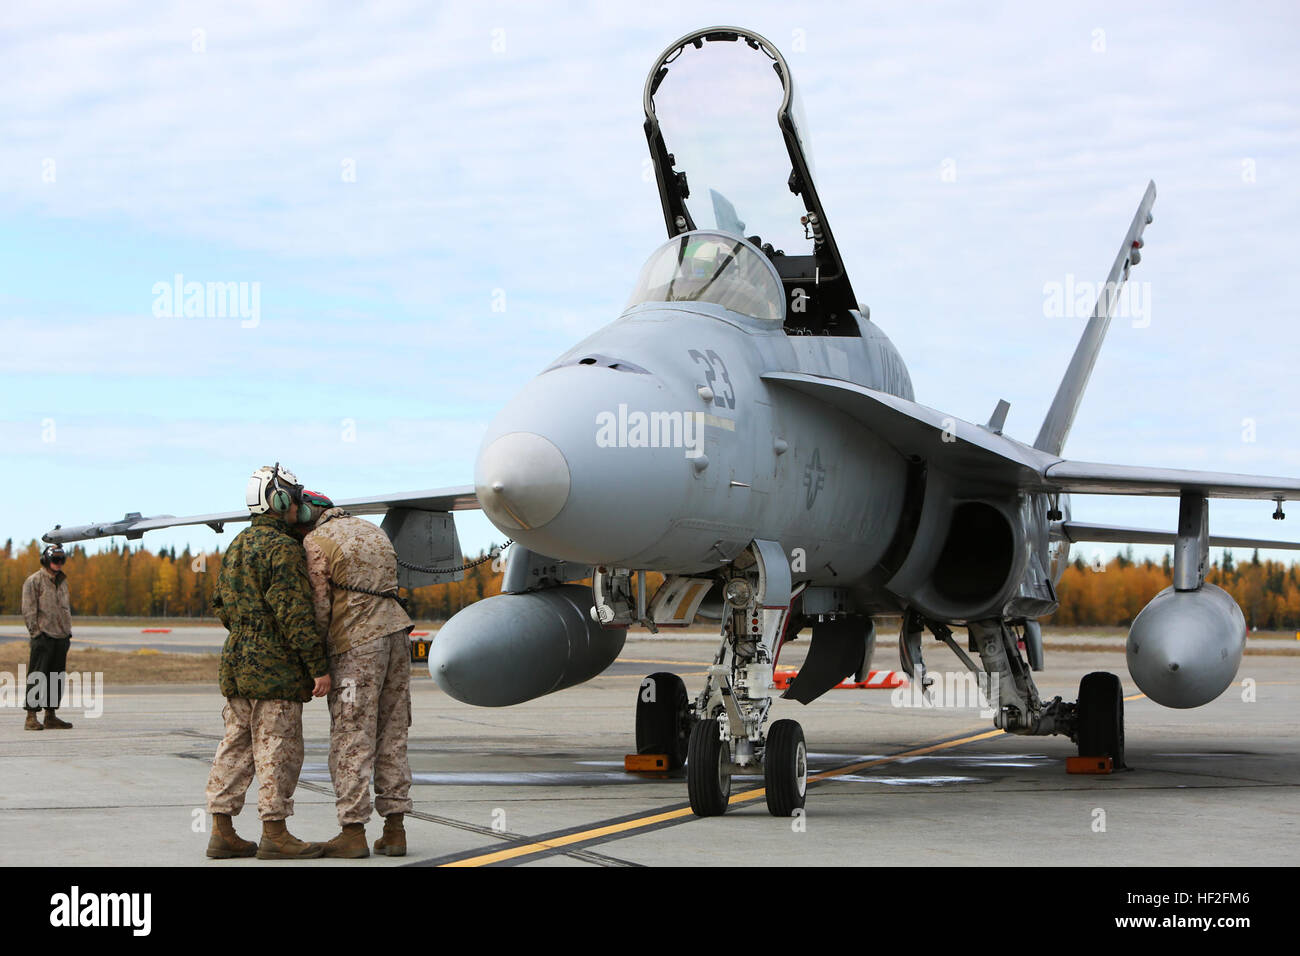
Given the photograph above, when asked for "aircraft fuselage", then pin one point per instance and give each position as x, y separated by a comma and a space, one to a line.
659, 478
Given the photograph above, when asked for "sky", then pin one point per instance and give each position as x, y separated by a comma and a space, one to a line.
432, 201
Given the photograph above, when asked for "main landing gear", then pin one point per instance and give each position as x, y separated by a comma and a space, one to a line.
1095, 723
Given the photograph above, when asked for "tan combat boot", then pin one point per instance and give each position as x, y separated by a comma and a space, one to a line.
350, 844
226, 843
32, 723
279, 844
53, 723
393, 842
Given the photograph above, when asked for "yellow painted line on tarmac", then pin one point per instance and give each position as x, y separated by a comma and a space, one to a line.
531, 848
919, 751
542, 846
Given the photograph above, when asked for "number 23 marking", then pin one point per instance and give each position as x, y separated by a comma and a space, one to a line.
713, 365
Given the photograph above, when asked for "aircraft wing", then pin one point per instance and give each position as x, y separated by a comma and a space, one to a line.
980, 453
134, 525
1075, 531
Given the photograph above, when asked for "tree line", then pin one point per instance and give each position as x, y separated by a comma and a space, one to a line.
131, 581
1268, 592
128, 581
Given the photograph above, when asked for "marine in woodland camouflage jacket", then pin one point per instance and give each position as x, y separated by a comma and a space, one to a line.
264, 600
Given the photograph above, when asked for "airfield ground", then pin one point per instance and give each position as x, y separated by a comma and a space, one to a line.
542, 783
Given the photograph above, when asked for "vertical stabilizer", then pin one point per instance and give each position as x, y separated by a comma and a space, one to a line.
1056, 426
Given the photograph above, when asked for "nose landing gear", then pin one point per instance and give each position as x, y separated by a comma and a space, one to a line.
722, 733
729, 738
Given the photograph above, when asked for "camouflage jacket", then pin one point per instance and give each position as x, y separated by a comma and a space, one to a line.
46, 606
264, 600
343, 550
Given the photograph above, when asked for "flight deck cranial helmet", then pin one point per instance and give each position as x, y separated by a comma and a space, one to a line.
272, 490
53, 553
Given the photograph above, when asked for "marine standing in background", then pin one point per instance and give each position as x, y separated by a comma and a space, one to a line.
47, 611
353, 571
272, 662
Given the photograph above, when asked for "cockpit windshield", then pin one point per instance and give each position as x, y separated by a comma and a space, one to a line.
712, 267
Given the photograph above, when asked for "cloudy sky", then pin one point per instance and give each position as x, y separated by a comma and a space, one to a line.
434, 200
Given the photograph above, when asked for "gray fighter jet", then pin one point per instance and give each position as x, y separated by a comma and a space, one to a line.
746, 430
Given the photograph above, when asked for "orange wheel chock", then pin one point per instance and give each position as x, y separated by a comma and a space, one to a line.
646, 763
1089, 765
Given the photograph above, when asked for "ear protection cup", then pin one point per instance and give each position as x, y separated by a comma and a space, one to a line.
281, 499
311, 505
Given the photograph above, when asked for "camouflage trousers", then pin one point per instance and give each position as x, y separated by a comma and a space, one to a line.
261, 735
370, 711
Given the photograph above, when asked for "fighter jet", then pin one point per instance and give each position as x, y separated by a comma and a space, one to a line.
747, 431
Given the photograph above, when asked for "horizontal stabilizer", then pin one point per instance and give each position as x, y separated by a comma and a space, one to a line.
1109, 534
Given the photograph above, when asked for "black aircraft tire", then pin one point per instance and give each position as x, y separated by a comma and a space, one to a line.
663, 723
708, 770
1101, 717
785, 768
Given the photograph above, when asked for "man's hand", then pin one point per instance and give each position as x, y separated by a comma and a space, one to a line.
322, 686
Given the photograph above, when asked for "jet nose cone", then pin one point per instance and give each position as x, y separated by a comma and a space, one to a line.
522, 481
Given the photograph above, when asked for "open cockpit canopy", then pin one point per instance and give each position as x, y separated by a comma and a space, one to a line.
730, 150
712, 267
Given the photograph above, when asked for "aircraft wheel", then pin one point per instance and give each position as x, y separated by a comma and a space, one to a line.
1101, 717
785, 768
708, 770
663, 718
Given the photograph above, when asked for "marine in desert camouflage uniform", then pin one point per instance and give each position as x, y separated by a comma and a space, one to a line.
272, 662
353, 572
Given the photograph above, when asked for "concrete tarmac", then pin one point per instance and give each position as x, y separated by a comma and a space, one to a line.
542, 784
